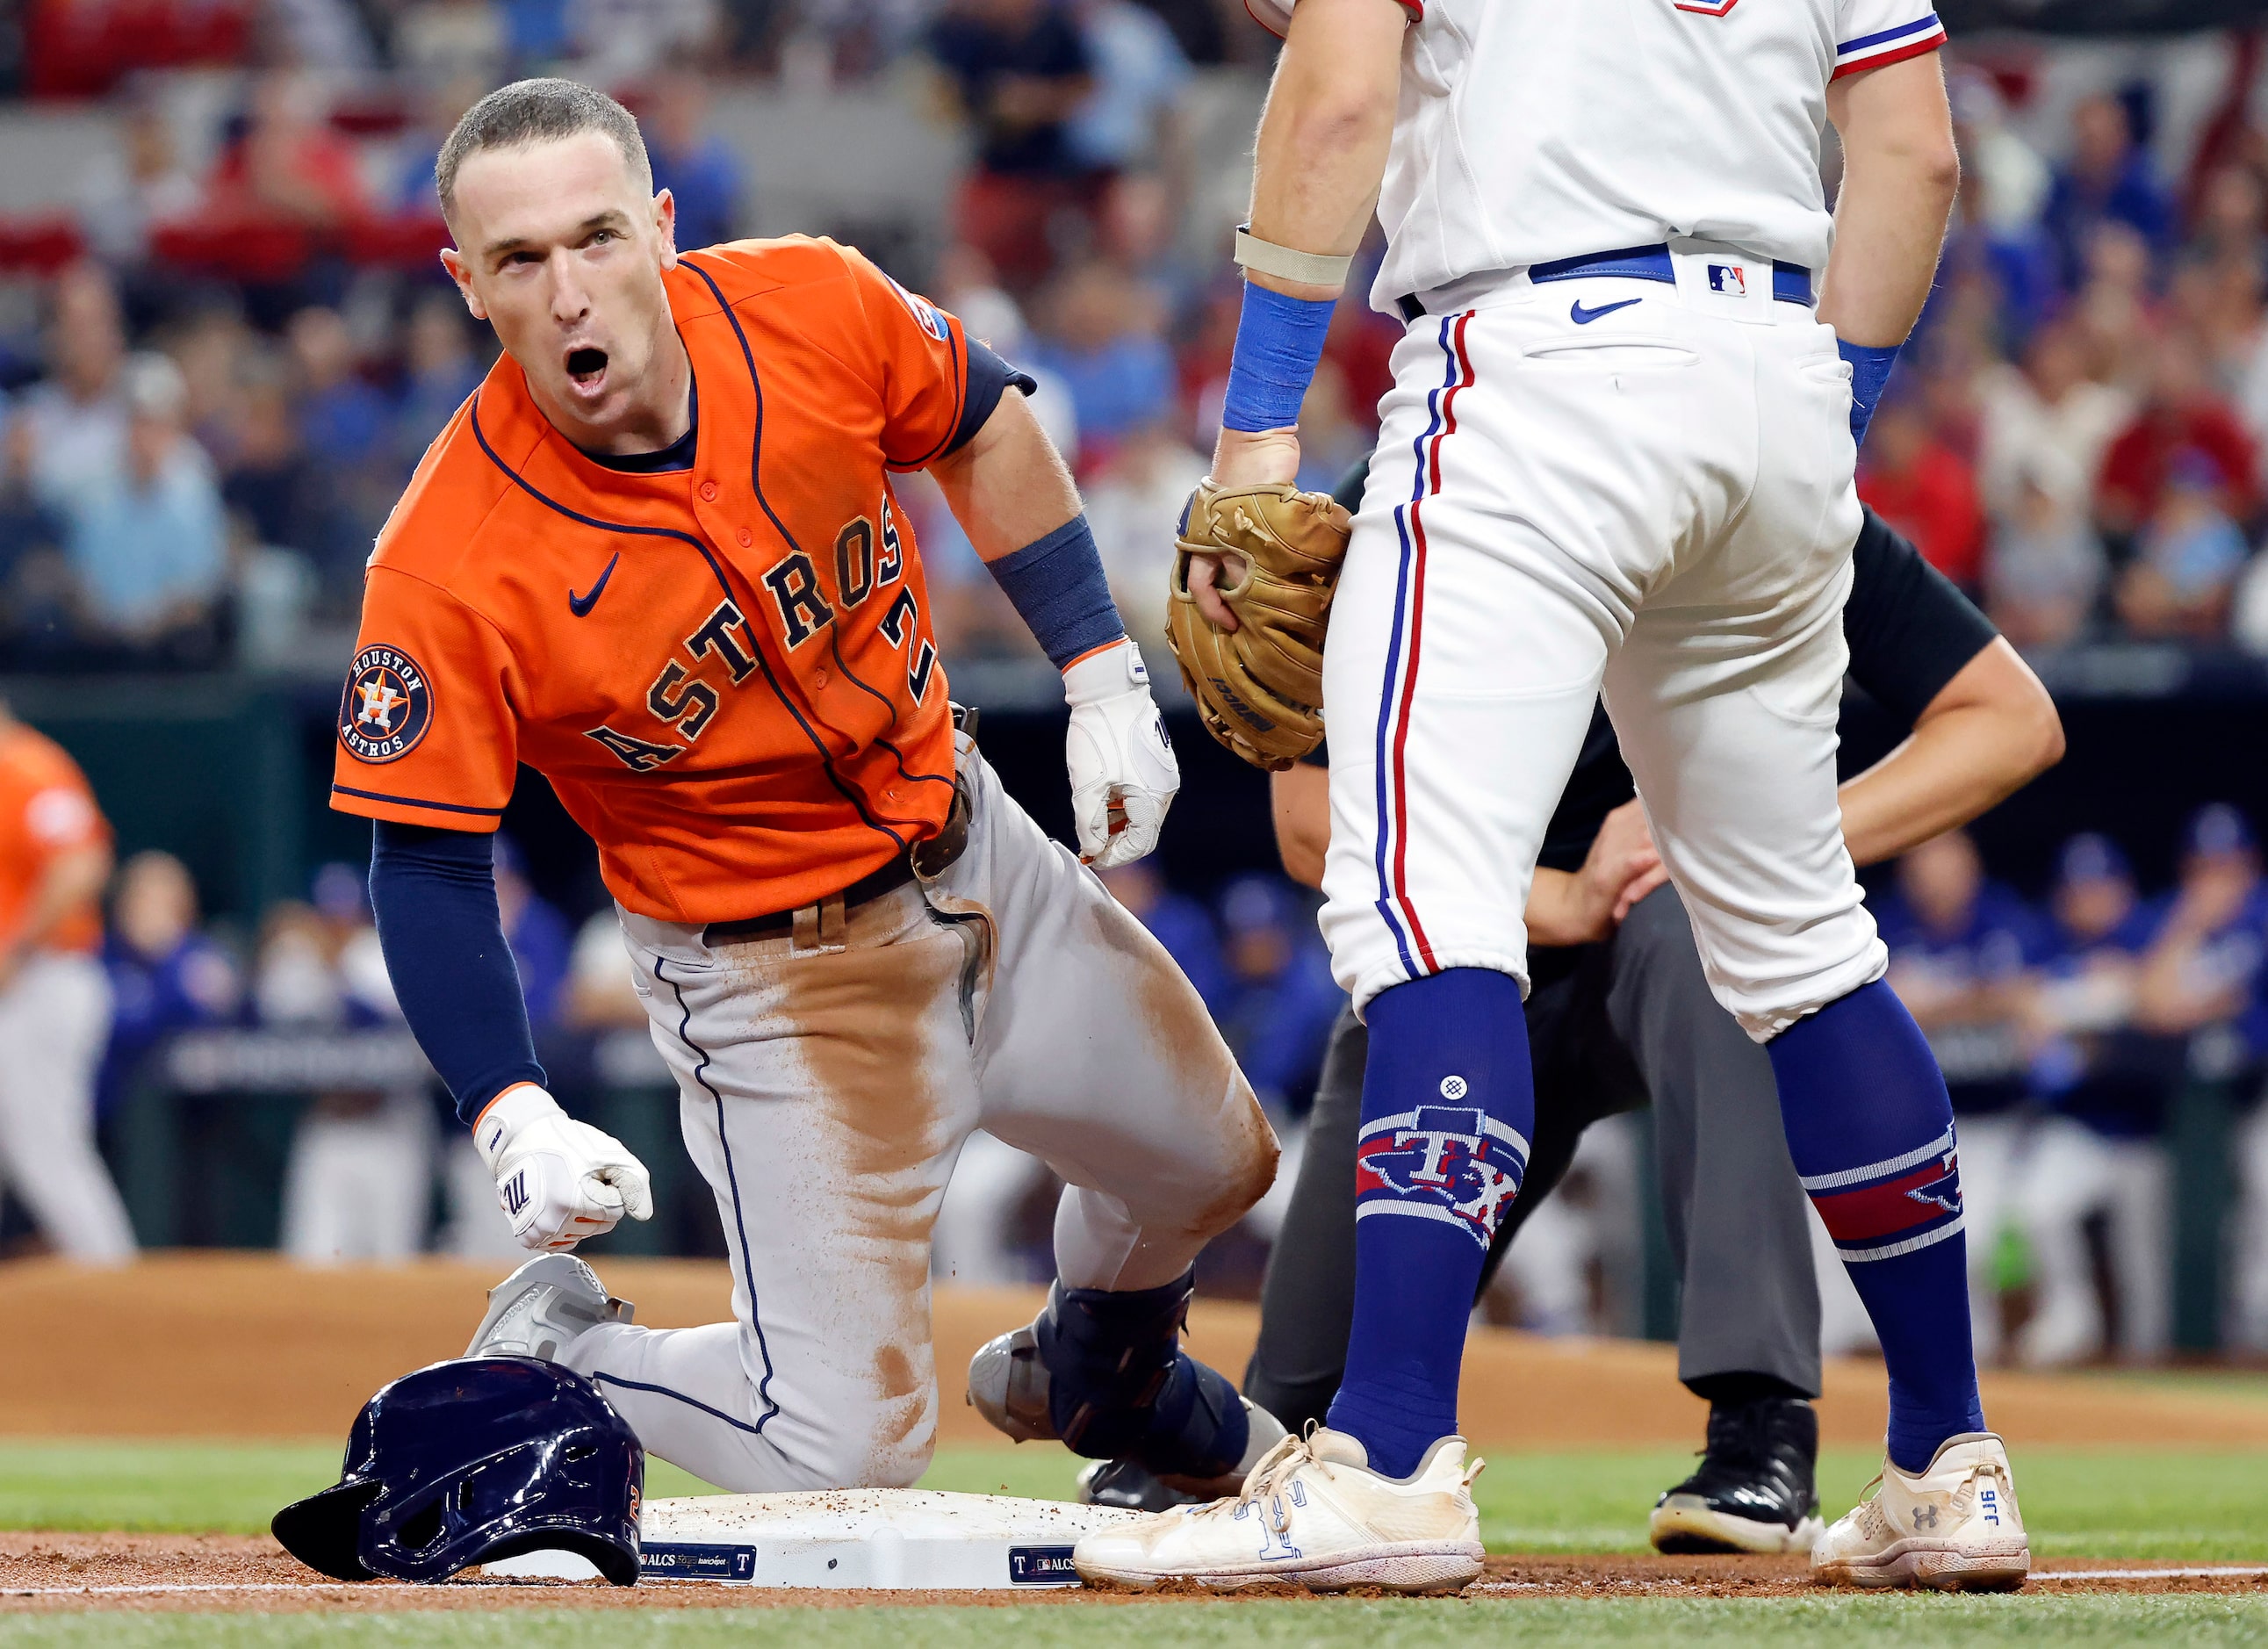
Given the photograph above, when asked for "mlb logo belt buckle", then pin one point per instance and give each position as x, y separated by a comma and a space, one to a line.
1715, 278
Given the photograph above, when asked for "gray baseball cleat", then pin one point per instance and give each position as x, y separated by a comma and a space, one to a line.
543, 1307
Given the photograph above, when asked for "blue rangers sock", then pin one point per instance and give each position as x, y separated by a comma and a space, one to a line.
1448, 1102
1871, 1130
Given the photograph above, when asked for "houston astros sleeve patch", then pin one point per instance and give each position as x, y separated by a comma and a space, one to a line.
387, 707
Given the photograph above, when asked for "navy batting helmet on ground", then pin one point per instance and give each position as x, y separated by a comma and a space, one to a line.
468, 1462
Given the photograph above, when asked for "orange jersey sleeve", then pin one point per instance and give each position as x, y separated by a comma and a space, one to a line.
426, 730
917, 357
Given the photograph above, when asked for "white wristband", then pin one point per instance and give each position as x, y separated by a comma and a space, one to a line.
1105, 673
1286, 263
506, 1115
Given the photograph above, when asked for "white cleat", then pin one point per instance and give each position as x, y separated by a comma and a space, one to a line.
1312, 1514
1954, 1528
544, 1305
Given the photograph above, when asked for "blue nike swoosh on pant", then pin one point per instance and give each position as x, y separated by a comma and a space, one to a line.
1583, 317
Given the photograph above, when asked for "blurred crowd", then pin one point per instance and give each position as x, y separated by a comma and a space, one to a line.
224, 366
2069, 1032
2080, 429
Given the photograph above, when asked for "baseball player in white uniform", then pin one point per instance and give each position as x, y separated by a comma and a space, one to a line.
1618, 453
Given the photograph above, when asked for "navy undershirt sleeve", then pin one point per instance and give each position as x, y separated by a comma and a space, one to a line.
989, 378
434, 892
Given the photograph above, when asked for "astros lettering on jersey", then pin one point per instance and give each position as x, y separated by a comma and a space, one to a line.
727, 673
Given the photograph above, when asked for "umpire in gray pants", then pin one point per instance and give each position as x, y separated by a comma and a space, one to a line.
1619, 1015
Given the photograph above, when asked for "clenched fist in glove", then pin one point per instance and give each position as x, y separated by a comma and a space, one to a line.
559, 1181
1122, 770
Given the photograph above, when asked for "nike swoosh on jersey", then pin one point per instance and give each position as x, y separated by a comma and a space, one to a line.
1583, 317
580, 606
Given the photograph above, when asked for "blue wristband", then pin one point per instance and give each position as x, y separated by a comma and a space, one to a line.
1870, 369
1278, 341
1056, 586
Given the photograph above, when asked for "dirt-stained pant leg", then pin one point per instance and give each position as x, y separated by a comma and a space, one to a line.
826, 1087
1096, 1055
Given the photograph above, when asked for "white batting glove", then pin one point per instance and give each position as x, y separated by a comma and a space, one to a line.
558, 1179
1122, 771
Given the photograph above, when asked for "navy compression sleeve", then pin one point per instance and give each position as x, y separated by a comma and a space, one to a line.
434, 892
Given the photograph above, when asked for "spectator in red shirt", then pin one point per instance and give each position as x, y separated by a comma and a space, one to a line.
1920, 486
289, 164
2183, 411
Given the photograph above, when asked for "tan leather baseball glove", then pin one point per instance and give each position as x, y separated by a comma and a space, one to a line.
1259, 687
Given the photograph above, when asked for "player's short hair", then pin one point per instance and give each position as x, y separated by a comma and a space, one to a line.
536, 112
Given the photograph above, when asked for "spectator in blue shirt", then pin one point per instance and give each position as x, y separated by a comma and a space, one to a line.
1105, 341
543, 943
147, 540
2109, 176
2204, 979
342, 419
347, 428
1132, 117
2204, 974
1282, 999
443, 370
164, 975
1179, 922
696, 165
1960, 946
1021, 69
2097, 1156
1959, 949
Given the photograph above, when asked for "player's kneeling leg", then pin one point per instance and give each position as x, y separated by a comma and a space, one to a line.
1104, 1371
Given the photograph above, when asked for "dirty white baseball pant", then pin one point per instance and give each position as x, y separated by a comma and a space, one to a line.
54, 1018
1657, 499
827, 1082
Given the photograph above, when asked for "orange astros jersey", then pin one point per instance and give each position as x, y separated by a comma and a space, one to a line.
46, 809
727, 673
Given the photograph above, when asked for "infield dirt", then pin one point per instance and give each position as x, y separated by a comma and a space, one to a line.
230, 1345
242, 1346
46, 1572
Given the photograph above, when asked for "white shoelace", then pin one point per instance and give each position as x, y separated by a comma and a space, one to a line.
1264, 1483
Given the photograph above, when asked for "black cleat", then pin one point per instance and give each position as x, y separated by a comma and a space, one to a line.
1105, 1373
1754, 1491
1130, 1485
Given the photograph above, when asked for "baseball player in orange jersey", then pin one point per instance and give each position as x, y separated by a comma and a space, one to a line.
54, 1000
656, 557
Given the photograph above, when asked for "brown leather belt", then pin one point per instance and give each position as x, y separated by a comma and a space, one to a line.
780, 923
932, 856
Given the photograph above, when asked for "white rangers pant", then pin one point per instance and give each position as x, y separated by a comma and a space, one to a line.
1600, 480
826, 1082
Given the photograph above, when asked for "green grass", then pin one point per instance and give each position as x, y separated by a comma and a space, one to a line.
1912, 1622
2188, 1503
2130, 1503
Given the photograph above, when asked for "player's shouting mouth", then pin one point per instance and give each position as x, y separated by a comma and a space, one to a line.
586, 369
